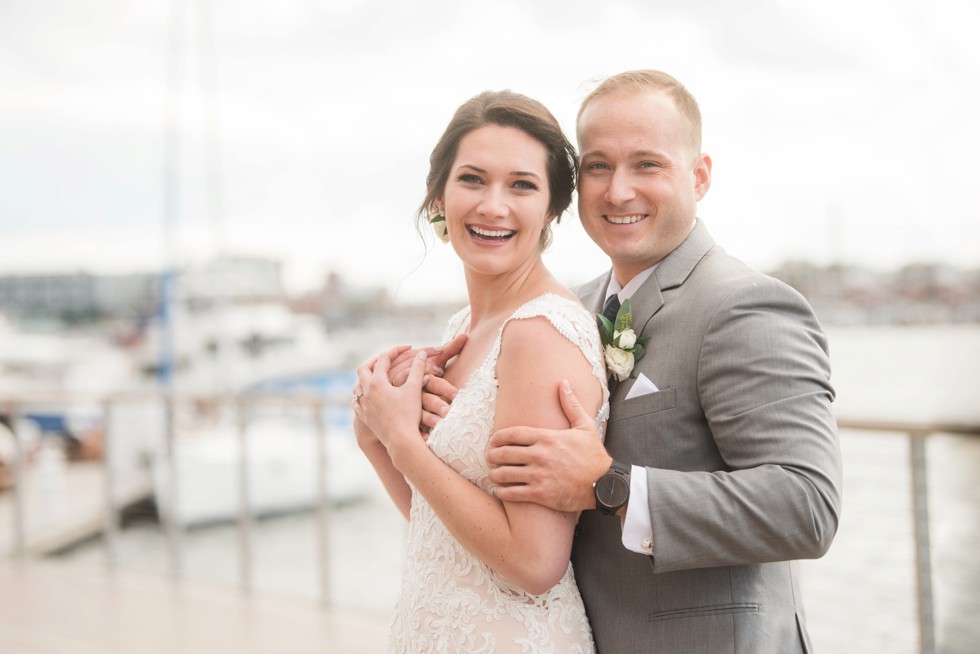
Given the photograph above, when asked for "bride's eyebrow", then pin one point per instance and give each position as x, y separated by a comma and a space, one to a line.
525, 173
515, 173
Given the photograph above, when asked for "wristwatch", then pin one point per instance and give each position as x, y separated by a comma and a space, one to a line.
612, 490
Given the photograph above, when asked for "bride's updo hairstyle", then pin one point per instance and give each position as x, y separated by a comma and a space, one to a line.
506, 109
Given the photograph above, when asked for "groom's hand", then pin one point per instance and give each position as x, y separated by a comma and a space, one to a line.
435, 363
437, 394
552, 467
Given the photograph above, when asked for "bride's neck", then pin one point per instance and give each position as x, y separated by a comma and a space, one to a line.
492, 296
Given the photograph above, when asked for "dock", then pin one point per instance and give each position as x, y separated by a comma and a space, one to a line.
50, 607
70, 510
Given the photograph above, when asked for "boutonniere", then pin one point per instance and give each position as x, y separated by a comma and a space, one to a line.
620, 345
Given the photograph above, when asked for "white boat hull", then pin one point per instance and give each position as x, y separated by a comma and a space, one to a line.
281, 472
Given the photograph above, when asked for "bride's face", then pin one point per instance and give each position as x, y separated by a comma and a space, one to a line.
496, 199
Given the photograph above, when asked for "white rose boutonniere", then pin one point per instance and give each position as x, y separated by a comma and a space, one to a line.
619, 362
626, 338
621, 346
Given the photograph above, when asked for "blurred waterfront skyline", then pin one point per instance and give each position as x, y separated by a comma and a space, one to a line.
840, 131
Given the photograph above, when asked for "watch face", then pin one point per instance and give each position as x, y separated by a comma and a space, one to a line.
612, 491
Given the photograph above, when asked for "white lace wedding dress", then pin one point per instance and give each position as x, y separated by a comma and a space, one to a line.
450, 601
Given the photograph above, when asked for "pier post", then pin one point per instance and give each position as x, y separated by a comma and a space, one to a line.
19, 489
923, 563
170, 518
110, 531
322, 504
244, 501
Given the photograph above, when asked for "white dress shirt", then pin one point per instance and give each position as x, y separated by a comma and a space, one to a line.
637, 528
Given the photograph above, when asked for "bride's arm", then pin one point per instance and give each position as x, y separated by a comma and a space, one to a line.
435, 402
373, 449
527, 543
377, 456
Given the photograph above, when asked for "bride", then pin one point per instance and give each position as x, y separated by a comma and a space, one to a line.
481, 575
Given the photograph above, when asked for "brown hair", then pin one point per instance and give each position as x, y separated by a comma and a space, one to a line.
651, 80
506, 109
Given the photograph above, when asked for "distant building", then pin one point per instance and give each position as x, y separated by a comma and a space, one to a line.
915, 293
76, 298
84, 297
840, 293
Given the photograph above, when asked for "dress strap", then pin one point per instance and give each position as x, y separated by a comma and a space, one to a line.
574, 322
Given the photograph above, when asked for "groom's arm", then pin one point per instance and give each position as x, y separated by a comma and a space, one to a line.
559, 468
765, 394
552, 467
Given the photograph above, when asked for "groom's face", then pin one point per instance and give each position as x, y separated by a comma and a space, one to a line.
640, 177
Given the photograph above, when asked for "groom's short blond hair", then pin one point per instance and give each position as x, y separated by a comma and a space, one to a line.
651, 80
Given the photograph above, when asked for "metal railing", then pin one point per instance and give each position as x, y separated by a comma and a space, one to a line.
917, 434
315, 405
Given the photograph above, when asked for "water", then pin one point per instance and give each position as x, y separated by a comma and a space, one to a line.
860, 597
915, 373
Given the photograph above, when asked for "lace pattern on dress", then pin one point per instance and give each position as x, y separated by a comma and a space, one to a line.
450, 601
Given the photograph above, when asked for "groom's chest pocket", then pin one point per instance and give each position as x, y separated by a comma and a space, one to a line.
637, 426
643, 408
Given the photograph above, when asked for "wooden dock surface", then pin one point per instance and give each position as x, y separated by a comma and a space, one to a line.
56, 608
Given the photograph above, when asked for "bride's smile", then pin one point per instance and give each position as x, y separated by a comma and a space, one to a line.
484, 234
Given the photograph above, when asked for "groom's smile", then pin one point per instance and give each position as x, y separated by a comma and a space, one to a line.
625, 220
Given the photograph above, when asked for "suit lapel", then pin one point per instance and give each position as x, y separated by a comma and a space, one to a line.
646, 301
649, 299
671, 273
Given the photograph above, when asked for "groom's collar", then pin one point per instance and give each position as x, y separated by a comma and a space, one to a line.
670, 273
626, 292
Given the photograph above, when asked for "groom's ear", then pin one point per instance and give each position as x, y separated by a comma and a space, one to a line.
702, 175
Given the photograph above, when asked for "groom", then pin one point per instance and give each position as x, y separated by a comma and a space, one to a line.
721, 463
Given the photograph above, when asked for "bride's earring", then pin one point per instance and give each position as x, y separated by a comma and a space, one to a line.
438, 221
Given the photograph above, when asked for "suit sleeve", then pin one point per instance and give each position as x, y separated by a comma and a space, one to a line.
763, 381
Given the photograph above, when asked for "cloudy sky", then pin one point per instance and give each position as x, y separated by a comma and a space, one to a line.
840, 130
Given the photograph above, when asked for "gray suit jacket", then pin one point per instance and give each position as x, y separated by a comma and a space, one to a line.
742, 459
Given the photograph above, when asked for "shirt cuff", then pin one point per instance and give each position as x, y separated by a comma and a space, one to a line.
637, 529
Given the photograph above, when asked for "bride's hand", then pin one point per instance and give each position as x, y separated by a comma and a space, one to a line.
392, 413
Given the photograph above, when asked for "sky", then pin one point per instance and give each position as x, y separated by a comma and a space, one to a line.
840, 130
